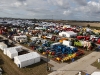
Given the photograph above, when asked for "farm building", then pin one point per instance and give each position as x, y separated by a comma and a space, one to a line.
2, 46
21, 37
68, 34
12, 51
27, 59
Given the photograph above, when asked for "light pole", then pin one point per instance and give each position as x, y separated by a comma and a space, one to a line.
52, 17
48, 67
47, 63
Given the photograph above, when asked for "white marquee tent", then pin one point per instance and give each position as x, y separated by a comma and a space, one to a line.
95, 73
18, 48
12, 51
34, 38
21, 37
88, 30
27, 59
2, 46
55, 44
68, 34
67, 43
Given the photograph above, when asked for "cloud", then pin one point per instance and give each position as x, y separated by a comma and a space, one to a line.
63, 4
68, 12
22, 0
92, 7
90, 11
16, 4
25, 3
60, 9
81, 2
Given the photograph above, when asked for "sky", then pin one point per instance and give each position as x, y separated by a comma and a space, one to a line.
88, 10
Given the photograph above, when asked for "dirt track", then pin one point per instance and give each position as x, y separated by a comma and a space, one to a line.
9, 68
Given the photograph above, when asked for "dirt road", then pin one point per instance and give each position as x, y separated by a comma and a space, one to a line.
9, 68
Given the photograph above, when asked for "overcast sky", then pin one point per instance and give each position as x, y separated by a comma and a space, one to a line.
48, 9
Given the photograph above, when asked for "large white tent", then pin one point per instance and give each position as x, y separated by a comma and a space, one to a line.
88, 30
21, 37
68, 34
67, 43
2, 46
67, 26
34, 38
95, 73
27, 59
18, 48
55, 44
12, 51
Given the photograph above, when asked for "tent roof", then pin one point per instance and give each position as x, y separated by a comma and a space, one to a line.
35, 54
95, 73
21, 36
55, 43
21, 58
2, 44
14, 47
69, 32
12, 50
27, 56
33, 38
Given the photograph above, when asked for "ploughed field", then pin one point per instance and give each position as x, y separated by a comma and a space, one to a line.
84, 24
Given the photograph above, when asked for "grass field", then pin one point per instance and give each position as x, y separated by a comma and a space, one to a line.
10, 68
84, 24
96, 64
